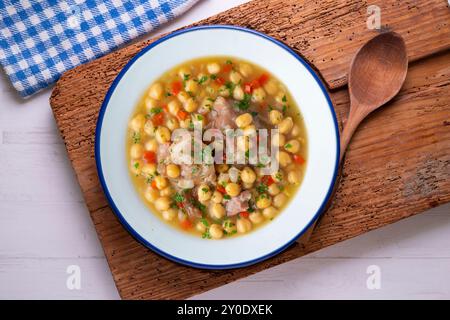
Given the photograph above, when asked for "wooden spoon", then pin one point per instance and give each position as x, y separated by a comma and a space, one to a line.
377, 73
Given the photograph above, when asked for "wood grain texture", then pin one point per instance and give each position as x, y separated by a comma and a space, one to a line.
327, 32
398, 165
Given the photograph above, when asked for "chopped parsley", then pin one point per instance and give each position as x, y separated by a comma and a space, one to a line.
284, 98
244, 104
178, 198
254, 113
168, 94
230, 87
136, 165
288, 146
203, 79
226, 197
213, 77
229, 62
205, 190
206, 235
199, 117
156, 110
262, 188
186, 77
136, 137
205, 222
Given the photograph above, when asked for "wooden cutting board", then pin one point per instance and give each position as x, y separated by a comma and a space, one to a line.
398, 163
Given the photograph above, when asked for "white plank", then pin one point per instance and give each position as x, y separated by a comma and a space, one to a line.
340, 278
46, 279
44, 226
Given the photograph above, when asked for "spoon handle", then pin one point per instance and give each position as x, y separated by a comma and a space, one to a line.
356, 115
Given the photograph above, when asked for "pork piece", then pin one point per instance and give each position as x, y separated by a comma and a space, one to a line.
222, 115
238, 204
163, 158
191, 174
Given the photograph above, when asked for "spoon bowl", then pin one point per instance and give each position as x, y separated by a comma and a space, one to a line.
376, 75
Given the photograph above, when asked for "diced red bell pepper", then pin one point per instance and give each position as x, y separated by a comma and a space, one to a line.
244, 214
298, 159
150, 157
158, 119
220, 81
227, 68
182, 115
176, 87
263, 79
221, 189
186, 224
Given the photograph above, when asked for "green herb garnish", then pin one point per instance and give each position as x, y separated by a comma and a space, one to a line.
203, 79
136, 137
244, 104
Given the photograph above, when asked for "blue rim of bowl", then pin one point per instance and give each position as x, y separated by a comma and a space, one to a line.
119, 215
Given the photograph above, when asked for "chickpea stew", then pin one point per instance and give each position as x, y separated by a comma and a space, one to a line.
218, 199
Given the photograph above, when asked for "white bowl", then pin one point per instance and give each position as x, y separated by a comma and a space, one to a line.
315, 106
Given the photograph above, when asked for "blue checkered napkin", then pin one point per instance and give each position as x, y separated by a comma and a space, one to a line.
40, 39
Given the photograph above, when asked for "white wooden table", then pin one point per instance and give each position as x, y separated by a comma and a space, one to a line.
45, 227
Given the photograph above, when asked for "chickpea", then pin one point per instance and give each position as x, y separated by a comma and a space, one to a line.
204, 193
184, 72
271, 87
256, 217
284, 159
285, 125
160, 182
258, 95
280, 200
170, 214
242, 143
244, 120
233, 189
292, 146
173, 171
172, 124
191, 86
235, 77
277, 176
213, 68
217, 197
205, 79
269, 212
278, 140
217, 211
249, 130
222, 168
136, 166
185, 123
156, 91
229, 226
245, 69
275, 116
238, 93
223, 179
247, 186
294, 177
151, 195
137, 123
248, 175
166, 192
200, 226
274, 189
162, 135
136, 151
162, 203
224, 92
150, 104
174, 106
216, 231
263, 201
243, 225
149, 128
295, 131
190, 105
149, 169
151, 145
280, 97
183, 96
